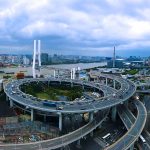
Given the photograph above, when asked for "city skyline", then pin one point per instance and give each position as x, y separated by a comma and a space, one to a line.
76, 28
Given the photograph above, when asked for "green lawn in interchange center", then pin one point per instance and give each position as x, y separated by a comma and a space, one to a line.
42, 95
52, 93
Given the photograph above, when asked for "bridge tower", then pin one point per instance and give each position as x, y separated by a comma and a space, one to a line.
36, 59
114, 57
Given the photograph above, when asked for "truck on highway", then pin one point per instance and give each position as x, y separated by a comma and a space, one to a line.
142, 138
106, 136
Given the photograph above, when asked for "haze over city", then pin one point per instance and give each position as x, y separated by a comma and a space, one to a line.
75, 27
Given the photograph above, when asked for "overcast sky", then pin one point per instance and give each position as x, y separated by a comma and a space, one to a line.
78, 27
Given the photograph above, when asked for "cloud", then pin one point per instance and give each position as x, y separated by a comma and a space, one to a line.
81, 26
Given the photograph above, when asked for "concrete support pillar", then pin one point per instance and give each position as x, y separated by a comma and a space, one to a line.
74, 71
113, 113
32, 114
11, 102
83, 87
126, 103
100, 126
143, 88
132, 147
91, 133
44, 118
91, 114
7, 98
97, 79
71, 84
77, 74
60, 122
79, 144
106, 81
54, 73
71, 74
114, 82
94, 89
58, 73
48, 83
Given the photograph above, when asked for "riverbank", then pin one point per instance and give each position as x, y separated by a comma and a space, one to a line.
28, 70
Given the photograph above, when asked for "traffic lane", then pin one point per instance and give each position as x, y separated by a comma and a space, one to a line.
76, 106
125, 118
129, 138
88, 107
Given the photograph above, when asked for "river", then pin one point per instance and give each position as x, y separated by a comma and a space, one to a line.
28, 70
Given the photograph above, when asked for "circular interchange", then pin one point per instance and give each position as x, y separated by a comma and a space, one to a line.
91, 104
109, 100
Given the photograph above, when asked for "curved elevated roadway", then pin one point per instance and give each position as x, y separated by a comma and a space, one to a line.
126, 91
59, 141
134, 132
